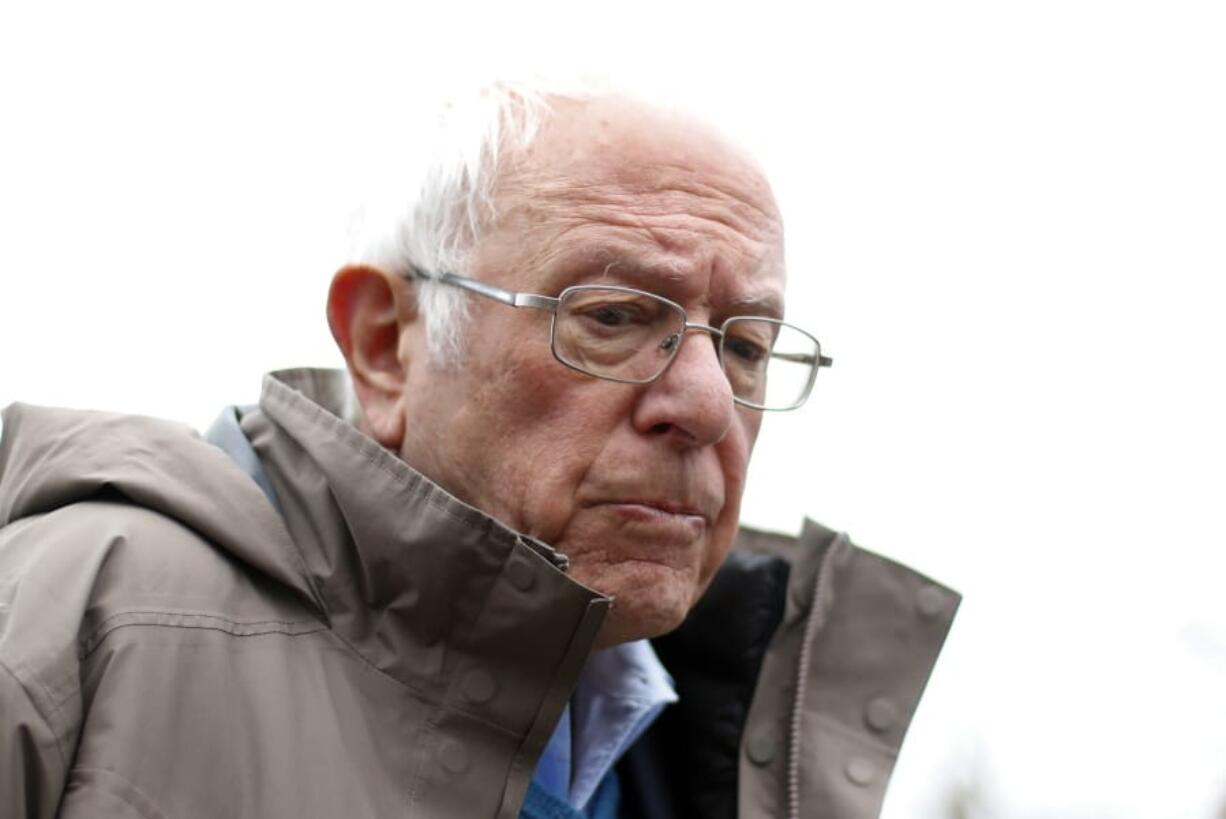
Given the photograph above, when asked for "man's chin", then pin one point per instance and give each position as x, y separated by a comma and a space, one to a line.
647, 602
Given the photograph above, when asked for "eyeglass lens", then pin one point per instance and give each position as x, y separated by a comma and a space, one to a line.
629, 335
616, 333
769, 364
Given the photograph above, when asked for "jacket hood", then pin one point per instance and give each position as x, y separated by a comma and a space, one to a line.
50, 458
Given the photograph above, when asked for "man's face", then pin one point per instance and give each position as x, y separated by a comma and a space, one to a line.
639, 485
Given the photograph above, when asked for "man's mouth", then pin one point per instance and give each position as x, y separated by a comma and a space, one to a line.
657, 512
669, 507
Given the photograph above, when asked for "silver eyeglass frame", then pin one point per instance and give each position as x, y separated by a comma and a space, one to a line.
550, 304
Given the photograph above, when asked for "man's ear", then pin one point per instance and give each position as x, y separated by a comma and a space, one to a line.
367, 310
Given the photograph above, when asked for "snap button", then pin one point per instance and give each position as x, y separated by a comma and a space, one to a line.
930, 601
478, 685
521, 575
761, 748
453, 757
881, 714
860, 771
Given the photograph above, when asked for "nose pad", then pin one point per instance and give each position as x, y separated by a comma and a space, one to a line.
670, 342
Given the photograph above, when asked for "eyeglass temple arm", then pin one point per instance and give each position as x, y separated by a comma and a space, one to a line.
492, 292
802, 358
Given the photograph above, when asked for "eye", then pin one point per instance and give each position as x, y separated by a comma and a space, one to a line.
745, 350
609, 313
613, 315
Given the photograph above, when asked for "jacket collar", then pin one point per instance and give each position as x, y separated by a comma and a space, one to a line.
413, 578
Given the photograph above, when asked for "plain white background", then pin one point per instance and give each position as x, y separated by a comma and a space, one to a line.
1006, 222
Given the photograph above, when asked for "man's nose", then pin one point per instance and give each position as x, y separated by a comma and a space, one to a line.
693, 398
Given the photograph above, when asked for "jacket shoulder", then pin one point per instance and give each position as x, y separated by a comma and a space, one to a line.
71, 576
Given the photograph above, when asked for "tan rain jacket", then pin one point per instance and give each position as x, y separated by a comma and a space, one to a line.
173, 643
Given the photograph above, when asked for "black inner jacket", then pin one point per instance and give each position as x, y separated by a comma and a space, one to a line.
686, 764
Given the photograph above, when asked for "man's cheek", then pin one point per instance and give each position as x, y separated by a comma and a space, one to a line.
550, 479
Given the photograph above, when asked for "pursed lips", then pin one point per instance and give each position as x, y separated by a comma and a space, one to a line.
666, 506
647, 509
676, 502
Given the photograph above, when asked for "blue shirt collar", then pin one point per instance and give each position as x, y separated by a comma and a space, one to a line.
621, 691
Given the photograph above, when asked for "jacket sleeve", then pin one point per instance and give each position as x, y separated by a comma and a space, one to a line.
32, 766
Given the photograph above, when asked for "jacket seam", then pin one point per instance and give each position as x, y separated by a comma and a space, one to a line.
437, 703
429, 731
194, 620
119, 788
59, 748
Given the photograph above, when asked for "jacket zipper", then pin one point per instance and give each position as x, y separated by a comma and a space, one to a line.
818, 608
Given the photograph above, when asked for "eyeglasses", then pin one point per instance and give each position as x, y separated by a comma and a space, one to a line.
631, 336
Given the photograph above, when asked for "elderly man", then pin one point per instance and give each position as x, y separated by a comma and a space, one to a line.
457, 605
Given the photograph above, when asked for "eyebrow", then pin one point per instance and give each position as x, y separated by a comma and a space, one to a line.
766, 302
643, 274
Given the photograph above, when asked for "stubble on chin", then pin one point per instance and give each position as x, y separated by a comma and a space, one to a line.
650, 598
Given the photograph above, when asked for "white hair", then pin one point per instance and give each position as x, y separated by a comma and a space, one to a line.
445, 202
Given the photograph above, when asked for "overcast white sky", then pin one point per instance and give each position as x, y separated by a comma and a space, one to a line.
1006, 222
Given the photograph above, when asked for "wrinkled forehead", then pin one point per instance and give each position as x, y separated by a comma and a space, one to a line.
651, 190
